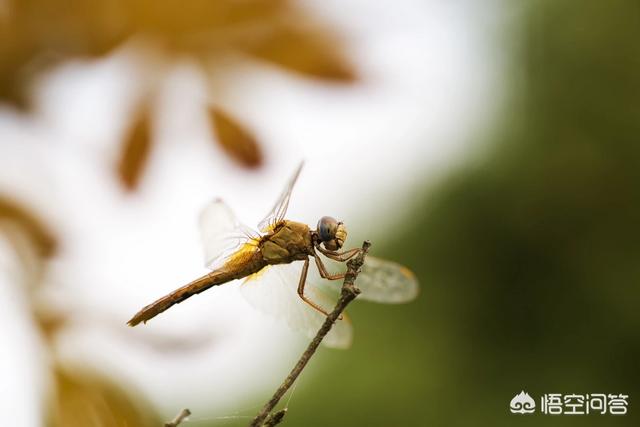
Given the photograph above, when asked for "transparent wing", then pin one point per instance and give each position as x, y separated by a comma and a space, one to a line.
221, 232
387, 282
274, 291
380, 280
279, 210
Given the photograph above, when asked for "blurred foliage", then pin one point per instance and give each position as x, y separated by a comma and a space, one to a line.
529, 259
237, 142
84, 399
37, 34
13, 216
135, 149
77, 398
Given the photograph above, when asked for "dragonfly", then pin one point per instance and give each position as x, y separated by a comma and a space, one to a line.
275, 265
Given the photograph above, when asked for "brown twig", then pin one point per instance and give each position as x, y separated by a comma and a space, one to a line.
179, 418
348, 293
275, 418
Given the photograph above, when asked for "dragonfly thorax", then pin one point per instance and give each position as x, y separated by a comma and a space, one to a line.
332, 233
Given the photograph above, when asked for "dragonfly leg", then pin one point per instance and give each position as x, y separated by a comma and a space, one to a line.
303, 281
323, 270
344, 256
340, 256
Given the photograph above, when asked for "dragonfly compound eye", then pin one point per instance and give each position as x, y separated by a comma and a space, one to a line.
327, 228
332, 233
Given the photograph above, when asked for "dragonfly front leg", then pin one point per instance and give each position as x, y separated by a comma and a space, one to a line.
302, 282
324, 273
339, 256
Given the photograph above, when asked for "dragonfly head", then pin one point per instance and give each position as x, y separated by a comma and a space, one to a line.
332, 233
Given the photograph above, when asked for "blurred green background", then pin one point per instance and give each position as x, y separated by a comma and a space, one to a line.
529, 258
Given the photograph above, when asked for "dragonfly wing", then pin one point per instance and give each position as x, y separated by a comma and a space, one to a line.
273, 291
222, 234
279, 210
379, 280
386, 282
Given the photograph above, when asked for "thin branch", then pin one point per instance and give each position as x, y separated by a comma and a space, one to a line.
179, 418
275, 418
348, 293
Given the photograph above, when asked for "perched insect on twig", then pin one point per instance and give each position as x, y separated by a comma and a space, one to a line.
268, 260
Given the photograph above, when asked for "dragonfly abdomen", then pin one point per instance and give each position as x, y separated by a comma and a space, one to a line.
226, 273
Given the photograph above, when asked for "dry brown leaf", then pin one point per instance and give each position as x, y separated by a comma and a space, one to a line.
83, 399
235, 140
135, 151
